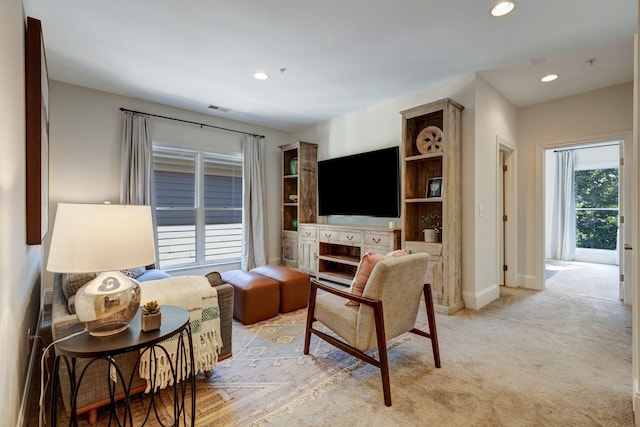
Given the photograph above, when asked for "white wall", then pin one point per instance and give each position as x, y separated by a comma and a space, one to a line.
19, 263
589, 116
494, 117
86, 131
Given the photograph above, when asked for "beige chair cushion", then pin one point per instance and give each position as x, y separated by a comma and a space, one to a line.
398, 282
340, 318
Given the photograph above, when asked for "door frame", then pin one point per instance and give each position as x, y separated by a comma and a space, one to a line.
630, 200
510, 238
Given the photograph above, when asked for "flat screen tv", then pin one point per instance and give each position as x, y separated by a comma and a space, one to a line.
364, 184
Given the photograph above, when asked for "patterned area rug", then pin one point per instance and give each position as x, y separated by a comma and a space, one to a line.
268, 375
268, 372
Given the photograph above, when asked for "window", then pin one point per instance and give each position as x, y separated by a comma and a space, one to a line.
596, 208
198, 206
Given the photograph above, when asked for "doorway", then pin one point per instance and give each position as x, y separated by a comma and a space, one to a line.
506, 218
584, 228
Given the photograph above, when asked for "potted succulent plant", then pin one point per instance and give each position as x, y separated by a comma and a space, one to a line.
434, 227
151, 316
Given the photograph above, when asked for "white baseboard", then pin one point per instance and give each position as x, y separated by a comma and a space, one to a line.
23, 417
477, 300
528, 281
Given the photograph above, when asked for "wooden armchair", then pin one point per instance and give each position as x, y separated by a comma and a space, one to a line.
395, 284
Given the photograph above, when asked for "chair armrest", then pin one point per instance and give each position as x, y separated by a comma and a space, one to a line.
225, 303
343, 294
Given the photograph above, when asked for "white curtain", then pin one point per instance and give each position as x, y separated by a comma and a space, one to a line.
254, 217
136, 160
563, 217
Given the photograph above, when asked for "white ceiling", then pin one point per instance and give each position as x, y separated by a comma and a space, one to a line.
339, 55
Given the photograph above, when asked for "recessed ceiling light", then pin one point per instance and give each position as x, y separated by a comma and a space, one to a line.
502, 8
261, 76
549, 78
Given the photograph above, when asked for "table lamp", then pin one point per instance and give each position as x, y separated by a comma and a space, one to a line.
104, 238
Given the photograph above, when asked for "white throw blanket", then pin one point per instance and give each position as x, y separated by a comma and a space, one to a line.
200, 299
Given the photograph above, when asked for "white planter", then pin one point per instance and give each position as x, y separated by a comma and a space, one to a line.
430, 235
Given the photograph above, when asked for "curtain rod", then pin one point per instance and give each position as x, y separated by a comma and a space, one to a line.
190, 122
592, 146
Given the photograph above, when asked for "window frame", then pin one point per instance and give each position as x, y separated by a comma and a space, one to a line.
199, 158
588, 167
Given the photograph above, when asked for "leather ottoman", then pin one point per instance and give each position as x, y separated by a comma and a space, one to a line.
294, 285
255, 297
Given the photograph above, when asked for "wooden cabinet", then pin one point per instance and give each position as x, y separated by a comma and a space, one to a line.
340, 247
431, 141
307, 249
299, 172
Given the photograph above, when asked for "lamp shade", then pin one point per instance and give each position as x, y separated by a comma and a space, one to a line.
89, 237
103, 238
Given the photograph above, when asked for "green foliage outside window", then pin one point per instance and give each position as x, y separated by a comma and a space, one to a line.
596, 208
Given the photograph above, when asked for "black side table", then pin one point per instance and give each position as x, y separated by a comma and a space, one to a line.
175, 321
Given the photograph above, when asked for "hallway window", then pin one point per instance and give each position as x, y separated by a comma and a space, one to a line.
596, 208
198, 207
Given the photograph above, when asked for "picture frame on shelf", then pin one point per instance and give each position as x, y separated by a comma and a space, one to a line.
434, 187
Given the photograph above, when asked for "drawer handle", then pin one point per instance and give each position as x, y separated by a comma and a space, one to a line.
308, 233
376, 240
349, 237
328, 236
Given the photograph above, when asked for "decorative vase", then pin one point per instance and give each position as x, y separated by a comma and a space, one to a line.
430, 235
293, 166
150, 322
294, 223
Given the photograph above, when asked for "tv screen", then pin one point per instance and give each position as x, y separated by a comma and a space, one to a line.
364, 184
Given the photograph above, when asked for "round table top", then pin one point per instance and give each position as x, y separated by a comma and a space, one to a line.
174, 320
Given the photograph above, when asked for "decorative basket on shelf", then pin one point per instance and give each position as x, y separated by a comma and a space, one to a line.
429, 140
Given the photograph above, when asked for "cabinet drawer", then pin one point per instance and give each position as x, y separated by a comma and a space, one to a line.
350, 237
378, 239
307, 232
328, 235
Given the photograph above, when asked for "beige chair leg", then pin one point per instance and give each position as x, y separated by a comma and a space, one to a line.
382, 352
431, 318
311, 307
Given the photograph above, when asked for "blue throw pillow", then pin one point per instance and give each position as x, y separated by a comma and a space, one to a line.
133, 272
152, 275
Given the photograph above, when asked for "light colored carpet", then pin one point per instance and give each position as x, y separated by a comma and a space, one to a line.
551, 358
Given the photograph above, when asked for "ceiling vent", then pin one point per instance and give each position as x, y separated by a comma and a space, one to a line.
218, 108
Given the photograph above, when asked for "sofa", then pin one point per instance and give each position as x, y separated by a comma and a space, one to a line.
94, 391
